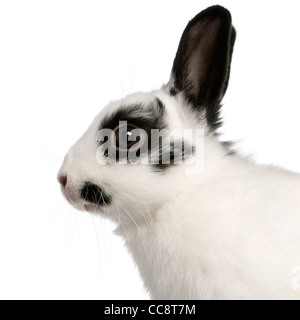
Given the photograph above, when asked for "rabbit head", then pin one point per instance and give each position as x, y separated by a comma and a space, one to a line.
135, 156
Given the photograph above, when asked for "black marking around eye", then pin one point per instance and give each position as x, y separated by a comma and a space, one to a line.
144, 117
153, 116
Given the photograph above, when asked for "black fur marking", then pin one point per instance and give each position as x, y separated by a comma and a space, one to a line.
201, 67
228, 145
95, 194
173, 92
161, 106
178, 151
143, 117
148, 118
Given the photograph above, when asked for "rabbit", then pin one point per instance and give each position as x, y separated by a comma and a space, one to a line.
207, 224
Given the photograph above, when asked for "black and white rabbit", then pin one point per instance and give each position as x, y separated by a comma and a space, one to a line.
229, 231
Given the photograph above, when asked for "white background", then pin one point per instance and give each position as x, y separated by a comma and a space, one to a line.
60, 63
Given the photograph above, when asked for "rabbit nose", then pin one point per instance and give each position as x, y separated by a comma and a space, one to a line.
63, 180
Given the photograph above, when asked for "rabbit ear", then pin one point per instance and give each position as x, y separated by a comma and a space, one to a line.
202, 64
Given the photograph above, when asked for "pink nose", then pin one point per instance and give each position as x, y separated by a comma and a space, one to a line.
63, 180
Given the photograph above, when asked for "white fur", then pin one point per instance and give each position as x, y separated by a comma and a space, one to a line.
231, 233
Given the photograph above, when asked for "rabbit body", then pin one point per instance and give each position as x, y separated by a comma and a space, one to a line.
235, 236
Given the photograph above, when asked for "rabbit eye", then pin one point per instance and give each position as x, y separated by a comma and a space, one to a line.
128, 137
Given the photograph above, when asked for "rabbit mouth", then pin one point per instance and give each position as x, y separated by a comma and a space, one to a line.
90, 197
91, 207
79, 204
